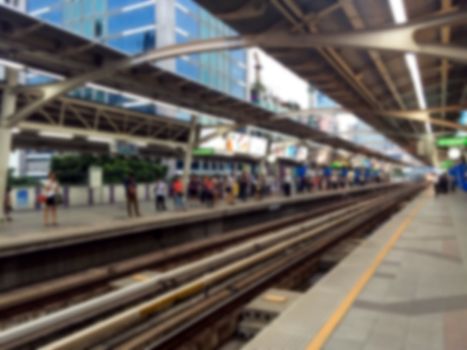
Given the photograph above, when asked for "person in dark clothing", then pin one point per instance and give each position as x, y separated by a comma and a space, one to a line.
7, 207
243, 187
442, 185
131, 192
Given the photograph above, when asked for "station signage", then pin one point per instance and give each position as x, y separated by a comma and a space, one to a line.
204, 151
125, 148
454, 141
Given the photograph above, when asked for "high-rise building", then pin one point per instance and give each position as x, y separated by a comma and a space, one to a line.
135, 26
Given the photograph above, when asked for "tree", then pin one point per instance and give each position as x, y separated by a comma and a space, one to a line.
73, 169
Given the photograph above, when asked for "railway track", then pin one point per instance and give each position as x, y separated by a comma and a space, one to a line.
27, 303
205, 282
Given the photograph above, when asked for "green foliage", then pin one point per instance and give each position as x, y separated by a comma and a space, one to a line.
73, 169
20, 181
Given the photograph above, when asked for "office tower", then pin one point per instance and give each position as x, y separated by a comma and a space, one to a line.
135, 26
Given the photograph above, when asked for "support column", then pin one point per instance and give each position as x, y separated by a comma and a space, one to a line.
263, 167
189, 153
8, 108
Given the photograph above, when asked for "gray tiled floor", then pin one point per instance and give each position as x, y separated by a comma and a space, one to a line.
410, 299
416, 300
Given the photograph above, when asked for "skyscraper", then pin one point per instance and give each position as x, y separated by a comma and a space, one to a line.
135, 26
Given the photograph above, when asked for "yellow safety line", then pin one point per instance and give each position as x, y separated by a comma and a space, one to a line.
325, 332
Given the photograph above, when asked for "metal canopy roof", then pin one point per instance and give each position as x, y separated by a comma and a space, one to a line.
358, 78
39, 45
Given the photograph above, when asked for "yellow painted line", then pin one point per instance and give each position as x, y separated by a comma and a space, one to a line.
327, 329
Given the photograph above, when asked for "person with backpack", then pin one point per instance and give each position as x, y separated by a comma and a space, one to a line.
131, 192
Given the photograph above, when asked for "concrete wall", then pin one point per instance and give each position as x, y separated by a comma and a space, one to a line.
25, 198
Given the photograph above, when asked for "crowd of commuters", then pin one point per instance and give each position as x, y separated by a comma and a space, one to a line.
210, 190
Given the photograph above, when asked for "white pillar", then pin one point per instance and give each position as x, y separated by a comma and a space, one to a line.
263, 167
189, 154
8, 108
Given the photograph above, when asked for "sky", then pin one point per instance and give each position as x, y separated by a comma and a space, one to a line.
273, 77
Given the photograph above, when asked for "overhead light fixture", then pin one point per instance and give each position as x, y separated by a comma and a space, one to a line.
56, 135
398, 11
100, 139
141, 144
454, 153
400, 16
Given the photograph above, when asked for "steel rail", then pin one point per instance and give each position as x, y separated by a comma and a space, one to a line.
192, 317
12, 300
37, 329
106, 328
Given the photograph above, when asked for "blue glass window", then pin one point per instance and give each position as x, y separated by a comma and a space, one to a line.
180, 39
115, 99
131, 20
187, 69
39, 4
149, 108
38, 79
238, 91
136, 43
238, 55
237, 72
99, 6
187, 22
190, 5
324, 101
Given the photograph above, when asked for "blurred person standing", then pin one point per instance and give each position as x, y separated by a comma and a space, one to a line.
243, 186
7, 206
160, 191
230, 190
131, 192
50, 198
178, 191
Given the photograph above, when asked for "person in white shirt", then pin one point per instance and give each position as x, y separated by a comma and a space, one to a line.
160, 191
50, 192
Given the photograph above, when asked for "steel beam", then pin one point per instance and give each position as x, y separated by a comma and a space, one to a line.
249, 10
37, 127
188, 156
52, 91
414, 115
357, 23
8, 107
445, 37
396, 38
219, 131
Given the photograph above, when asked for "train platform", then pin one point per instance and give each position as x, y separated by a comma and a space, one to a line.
405, 287
82, 224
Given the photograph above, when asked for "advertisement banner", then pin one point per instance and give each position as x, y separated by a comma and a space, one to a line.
235, 143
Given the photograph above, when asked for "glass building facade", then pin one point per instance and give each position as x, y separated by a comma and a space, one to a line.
135, 26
